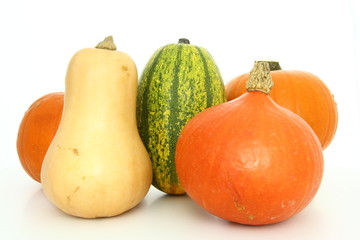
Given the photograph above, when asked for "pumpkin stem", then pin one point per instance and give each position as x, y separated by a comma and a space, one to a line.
184, 40
260, 78
274, 65
107, 43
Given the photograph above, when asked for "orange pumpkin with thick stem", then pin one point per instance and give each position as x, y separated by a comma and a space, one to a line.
36, 131
301, 92
250, 160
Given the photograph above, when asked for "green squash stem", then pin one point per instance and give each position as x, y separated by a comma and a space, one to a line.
184, 40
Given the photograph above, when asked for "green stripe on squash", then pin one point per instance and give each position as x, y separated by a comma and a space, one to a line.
179, 81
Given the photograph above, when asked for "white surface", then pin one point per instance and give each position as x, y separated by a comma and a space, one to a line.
26, 214
319, 36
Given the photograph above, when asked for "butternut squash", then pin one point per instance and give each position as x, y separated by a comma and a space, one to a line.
96, 165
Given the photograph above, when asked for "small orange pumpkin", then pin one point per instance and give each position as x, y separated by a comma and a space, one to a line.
301, 92
250, 160
36, 131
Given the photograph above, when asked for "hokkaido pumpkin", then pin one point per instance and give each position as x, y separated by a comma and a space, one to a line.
96, 165
36, 131
301, 92
250, 160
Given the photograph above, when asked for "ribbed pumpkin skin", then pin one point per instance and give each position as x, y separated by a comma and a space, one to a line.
304, 94
36, 131
179, 81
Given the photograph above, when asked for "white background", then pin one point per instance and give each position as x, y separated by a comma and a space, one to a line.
320, 36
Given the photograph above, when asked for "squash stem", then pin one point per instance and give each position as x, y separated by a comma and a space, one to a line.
107, 43
274, 65
184, 40
260, 78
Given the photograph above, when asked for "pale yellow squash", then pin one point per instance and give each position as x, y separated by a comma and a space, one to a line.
97, 165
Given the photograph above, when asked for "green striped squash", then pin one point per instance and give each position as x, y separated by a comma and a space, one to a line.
179, 81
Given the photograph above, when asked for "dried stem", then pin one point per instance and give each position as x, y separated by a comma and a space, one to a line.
260, 78
107, 44
274, 65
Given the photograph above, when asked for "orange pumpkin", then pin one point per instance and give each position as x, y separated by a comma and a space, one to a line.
36, 131
250, 160
301, 92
